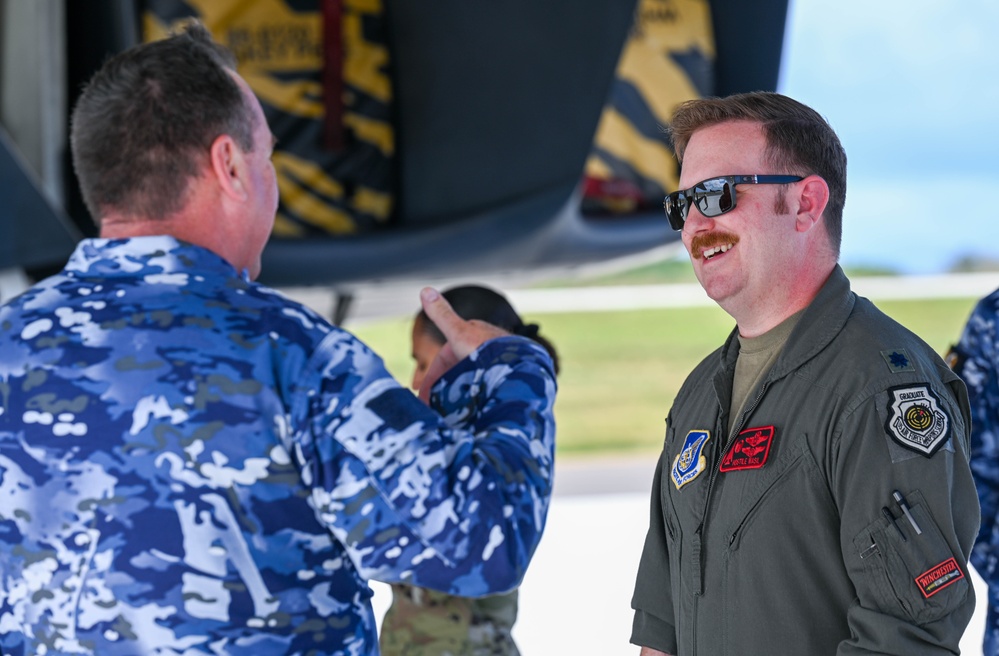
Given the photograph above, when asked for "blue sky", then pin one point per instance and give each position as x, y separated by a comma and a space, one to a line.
912, 89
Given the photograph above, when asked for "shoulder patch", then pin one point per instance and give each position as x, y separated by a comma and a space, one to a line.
897, 360
690, 462
915, 419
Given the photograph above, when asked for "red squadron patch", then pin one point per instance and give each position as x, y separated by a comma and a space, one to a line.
937, 578
750, 450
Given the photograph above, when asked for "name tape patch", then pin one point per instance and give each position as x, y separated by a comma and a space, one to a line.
750, 450
937, 578
915, 419
690, 462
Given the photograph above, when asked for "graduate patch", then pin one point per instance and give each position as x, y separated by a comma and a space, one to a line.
936, 579
915, 419
689, 463
750, 450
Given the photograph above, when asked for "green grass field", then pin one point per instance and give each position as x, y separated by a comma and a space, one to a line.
621, 370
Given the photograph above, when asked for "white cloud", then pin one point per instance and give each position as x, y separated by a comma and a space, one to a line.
892, 66
921, 225
912, 89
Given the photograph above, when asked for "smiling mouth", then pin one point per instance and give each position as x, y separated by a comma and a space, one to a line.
705, 246
709, 253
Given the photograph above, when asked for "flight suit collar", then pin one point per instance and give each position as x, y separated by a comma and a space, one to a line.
821, 321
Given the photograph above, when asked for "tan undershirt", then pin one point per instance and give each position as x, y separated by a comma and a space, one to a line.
756, 356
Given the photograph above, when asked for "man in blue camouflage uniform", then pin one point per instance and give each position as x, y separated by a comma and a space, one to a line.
192, 464
976, 359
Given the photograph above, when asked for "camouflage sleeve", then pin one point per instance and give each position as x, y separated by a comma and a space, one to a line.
412, 500
977, 362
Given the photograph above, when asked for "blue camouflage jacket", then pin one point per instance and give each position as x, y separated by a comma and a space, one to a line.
190, 463
976, 359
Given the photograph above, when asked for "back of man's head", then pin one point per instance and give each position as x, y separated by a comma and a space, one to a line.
144, 124
799, 141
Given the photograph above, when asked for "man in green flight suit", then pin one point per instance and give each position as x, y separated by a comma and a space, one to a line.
813, 495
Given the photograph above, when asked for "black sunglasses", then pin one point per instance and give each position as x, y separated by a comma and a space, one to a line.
714, 196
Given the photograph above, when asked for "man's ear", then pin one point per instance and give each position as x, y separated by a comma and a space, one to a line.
228, 166
812, 201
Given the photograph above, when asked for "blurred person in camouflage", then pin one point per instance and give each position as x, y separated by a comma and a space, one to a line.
422, 622
976, 359
190, 463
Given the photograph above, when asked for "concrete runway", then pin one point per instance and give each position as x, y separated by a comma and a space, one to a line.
576, 597
377, 301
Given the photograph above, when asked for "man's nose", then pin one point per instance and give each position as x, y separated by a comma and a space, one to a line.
697, 222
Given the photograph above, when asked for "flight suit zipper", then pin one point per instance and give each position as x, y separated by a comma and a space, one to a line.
698, 553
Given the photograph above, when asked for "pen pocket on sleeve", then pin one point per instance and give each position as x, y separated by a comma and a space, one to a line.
916, 577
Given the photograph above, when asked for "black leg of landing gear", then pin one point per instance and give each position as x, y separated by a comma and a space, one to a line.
341, 307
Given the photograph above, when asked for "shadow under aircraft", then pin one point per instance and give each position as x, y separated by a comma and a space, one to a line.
416, 140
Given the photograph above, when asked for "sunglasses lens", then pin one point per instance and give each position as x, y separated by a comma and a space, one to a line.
714, 197
675, 205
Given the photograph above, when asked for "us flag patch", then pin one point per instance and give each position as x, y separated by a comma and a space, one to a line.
750, 450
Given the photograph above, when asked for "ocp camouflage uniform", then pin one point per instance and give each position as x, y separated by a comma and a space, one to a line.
976, 360
424, 622
192, 464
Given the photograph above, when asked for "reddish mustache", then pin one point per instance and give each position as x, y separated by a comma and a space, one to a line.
702, 242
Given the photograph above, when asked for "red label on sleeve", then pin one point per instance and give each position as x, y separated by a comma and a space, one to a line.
936, 579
